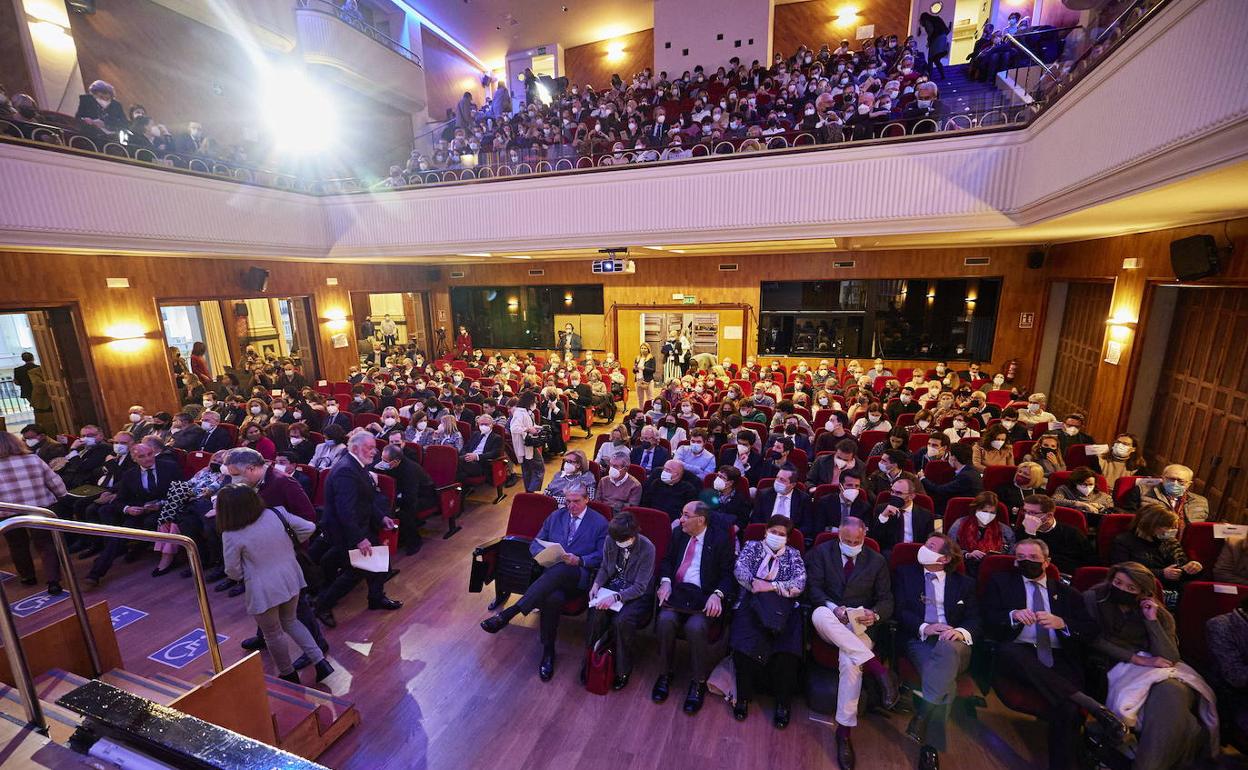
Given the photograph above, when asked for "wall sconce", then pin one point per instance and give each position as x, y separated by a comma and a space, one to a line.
513, 305
336, 320
615, 50
845, 15
1120, 328
567, 298
931, 294
126, 338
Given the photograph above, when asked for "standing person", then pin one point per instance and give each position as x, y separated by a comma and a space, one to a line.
675, 356
937, 41
27, 480
21, 374
389, 331
643, 375
521, 426
353, 518
463, 342
258, 544
570, 344
199, 363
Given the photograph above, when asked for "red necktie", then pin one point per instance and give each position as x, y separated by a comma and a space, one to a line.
687, 561
849, 568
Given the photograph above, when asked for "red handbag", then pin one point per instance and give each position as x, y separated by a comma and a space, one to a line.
599, 669
390, 539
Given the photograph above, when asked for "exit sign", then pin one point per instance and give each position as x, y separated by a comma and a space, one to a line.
690, 300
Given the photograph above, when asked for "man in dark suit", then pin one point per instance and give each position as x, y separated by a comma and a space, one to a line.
354, 515
139, 494
830, 510
939, 621
827, 469
1040, 624
414, 493
581, 531
335, 416
851, 590
480, 450
85, 462
740, 454
971, 373
892, 465
215, 438
966, 481
729, 506
783, 499
187, 436
649, 455
906, 522
191, 142
670, 490
696, 587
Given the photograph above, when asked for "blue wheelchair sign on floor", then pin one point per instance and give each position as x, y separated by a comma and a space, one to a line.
123, 616
24, 608
179, 653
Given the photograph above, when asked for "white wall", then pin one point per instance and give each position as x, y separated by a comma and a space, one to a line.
696, 24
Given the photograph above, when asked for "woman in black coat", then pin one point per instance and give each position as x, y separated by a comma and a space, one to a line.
1154, 542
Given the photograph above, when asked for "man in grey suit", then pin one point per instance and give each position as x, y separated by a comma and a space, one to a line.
581, 531
850, 588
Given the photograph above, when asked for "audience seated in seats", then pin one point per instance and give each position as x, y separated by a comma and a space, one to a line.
617, 487
890, 467
25, 479
1080, 492
873, 419
84, 462
482, 449
414, 493
729, 507
648, 453
849, 500
1017, 430
1041, 626
1036, 413
626, 576
827, 469
966, 481
331, 449
1028, 480
670, 490
981, 533
766, 630
334, 416
1153, 691
1228, 634
355, 513
115, 466
777, 456
617, 441
1066, 546
580, 531
937, 449
695, 456
851, 590
1232, 563
898, 519
1153, 541
897, 440
938, 619
783, 499
43, 446
960, 428
301, 448
574, 473
186, 435
1123, 458
746, 459
253, 437
99, 109
993, 448
1071, 432
1173, 491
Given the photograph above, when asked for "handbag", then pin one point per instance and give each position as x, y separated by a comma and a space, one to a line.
312, 574
599, 668
772, 610
539, 439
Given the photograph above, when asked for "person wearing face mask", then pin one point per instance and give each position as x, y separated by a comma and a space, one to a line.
905, 404
1016, 430
966, 481
301, 446
899, 519
897, 440
993, 448
648, 453
1036, 413
100, 110
1122, 458
37, 441
669, 489
84, 461
1068, 547
1154, 542
482, 449
1138, 645
827, 468
892, 463
335, 414
1174, 491
1047, 454
695, 456
617, 487
1080, 492
329, 450
669, 427
1071, 432
137, 423
961, 427
574, 472
982, 532
771, 575
389, 424
257, 415
1028, 479
626, 575
785, 498
938, 617
851, 590
415, 495
1041, 625
743, 455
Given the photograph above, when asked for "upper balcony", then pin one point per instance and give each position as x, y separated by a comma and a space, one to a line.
366, 58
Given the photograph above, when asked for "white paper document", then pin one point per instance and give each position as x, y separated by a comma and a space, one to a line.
551, 553
602, 593
379, 561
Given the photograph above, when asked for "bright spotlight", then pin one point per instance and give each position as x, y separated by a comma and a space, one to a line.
299, 113
543, 93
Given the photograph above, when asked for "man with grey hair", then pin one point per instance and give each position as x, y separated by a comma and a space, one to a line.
581, 531
618, 488
483, 448
99, 109
355, 513
1039, 623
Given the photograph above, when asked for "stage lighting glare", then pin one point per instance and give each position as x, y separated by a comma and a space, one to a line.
289, 98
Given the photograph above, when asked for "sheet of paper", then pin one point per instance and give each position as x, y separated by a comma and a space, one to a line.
616, 607
1223, 531
379, 561
1095, 450
856, 614
550, 553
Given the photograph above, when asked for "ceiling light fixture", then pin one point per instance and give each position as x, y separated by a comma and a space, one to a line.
517, 256
475, 254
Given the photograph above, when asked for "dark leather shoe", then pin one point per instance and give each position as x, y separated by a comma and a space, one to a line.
54, 588
165, 571
253, 643
327, 618
928, 759
302, 662
546, 669
413, 545
323, 670
494, 623
741, 710
499, 601
28, 581
237, 590
215, 574
781, 718
225, 585
693, 701
889, 691
384, 603
844, 753
912, 729
620, 682
662, 687
1115, 730
292, 677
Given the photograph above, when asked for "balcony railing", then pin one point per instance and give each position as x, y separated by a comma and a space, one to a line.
354, 20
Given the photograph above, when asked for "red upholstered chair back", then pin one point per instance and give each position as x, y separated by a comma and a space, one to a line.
656, 526
1110, 527
441, 462
528, 511
997, 475
1200, 544
939, 471
1123, 487
1001, 562
1072, 517
1200, 601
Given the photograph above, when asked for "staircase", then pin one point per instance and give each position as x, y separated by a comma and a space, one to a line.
962, 95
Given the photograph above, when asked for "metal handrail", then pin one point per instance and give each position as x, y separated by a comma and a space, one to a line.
1047, 69
358, 24
34, 517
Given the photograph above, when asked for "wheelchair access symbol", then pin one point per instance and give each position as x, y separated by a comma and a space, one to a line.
24, 608
179, 653
123, 616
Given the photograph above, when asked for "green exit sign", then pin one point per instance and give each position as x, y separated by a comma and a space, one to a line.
690, 300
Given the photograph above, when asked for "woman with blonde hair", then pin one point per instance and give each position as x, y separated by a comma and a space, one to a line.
1028, 480
447, 433
643, 374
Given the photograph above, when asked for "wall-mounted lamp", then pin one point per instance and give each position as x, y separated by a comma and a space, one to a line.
567, 298
336, 320
931, 295
126, 337
615, 50
845, 15
1120, 328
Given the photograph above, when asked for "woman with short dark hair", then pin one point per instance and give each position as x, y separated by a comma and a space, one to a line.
626, 577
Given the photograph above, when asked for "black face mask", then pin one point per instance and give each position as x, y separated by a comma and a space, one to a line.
1030, 569
790, 429
1119, 596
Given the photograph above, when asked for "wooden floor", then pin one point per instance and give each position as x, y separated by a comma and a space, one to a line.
435, 691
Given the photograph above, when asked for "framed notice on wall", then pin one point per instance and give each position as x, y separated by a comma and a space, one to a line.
1113, 353
1026, 320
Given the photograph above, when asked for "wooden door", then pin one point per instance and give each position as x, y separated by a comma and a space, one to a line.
53, 373
1079, 347
1201, 404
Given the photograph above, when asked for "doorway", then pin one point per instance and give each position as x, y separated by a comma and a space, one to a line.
408, 310
54, 387
701, 330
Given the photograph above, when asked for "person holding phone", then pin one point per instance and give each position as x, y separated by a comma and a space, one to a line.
899, 519
1154, 542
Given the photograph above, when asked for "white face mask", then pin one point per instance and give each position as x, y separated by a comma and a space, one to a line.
1071, 430
422, 425
485, 429
743, 450
666, 476
850, 494
89, 440
829, 426
121, 449
389, 422
927, 556
851, 551
1086, 489
32, 442
904, 398
780, 487
824, 402
208, 404
924, 423
842, 464
297, 415
959, 424
721, 484
279, 412
696, 448
615, 473
254, 410
1033, 408
1008, 424
985, 517
1121, 450
136, 417
296, 440
332, 408
774, 542
569, 469
998, 443
626, 543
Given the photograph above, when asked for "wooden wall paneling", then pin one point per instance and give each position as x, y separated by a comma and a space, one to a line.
1202, 399
588, 64
814, 23
1079, 347
447, 76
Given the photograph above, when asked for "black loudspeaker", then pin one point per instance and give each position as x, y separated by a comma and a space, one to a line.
434, 275
1194, 258
256, 279
1035, 259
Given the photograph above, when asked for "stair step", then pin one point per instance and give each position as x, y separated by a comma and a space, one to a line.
174, 682
61, 722
334, 707
55, 682
151, 689
333, 717
23, 747
291, 713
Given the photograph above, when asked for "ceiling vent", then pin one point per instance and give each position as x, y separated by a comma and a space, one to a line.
457, 273
728, 267
536, 271
973, 261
